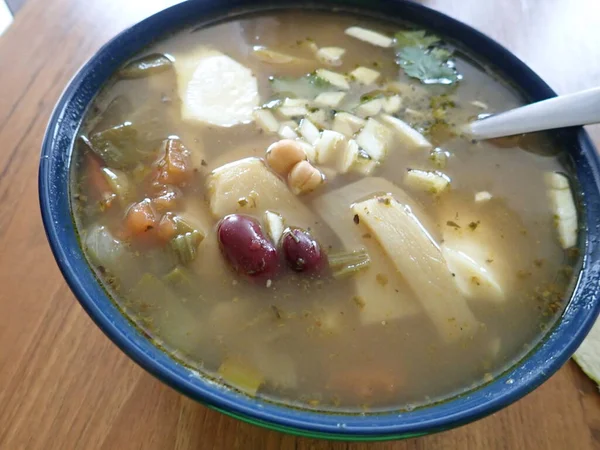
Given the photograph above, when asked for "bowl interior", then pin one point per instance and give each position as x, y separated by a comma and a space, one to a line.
543, 361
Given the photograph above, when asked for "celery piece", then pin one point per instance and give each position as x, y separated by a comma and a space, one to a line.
185, 246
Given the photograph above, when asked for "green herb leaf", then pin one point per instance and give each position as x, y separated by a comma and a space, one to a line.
308, 86
424, 65
416, 55
415, 39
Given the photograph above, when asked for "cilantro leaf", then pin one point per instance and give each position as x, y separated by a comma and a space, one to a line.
424, 65
419, 58
415, 39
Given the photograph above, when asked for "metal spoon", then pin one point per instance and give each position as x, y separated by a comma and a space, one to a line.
580, 108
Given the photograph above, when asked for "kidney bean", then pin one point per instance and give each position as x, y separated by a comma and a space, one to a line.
245, 246
302, 252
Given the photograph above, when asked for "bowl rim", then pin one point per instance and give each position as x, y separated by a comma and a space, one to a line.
53, 180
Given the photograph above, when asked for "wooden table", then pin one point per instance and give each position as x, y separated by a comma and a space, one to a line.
64, 385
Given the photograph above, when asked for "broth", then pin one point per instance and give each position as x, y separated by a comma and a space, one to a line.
374, 338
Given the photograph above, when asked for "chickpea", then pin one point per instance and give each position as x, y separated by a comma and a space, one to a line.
304, 177
285, 154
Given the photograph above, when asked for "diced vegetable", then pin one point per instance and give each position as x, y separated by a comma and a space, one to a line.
330, 99
176, 166
308, 86
474, 278
145, 66
483, 196
384, 295
369, 108
374, 139
417, 257
105, 251
319, 118
563, 206
364, 164
364, 75
407, 135
208, 96
309, 131
348, 157
439, 158
287, 130
273, 57
293, 107
347, 124
330, 55
248, 185
348, 263
185, 246
329, 148
118, 182
266, 120
118, 146
479, 104
141, 217
372, 37
278, 369
336, 79
274, 226
309, 150
432, 182
392, 104
241, 375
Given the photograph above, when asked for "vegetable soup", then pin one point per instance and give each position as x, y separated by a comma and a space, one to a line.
287, 204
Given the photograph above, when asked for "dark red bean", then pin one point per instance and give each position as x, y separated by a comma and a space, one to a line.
302, 252
246, 248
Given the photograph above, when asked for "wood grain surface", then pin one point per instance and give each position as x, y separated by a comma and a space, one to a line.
64, 385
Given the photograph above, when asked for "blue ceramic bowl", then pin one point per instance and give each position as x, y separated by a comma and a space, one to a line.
525, 376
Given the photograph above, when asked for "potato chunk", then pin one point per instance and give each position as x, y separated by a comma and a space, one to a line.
417, 257
215, 89
383, 294
247, 186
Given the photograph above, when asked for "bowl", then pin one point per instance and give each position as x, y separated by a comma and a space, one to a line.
549, 355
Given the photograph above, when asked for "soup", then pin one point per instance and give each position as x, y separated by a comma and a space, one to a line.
287, 204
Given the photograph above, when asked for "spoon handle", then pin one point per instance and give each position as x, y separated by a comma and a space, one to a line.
580, 108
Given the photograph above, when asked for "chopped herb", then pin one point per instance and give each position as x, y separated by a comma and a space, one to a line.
451, 223
538, 262
277, 311
356, 219
367, 236
473, 225
203, 163
359, 301
417, 38
381, 279
242, 202
419, 60
308, 86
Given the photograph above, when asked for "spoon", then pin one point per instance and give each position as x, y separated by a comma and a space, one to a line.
580, 108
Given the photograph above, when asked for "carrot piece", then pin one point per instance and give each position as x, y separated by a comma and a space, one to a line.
140, 217
166, 199
167, 228
176, 166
